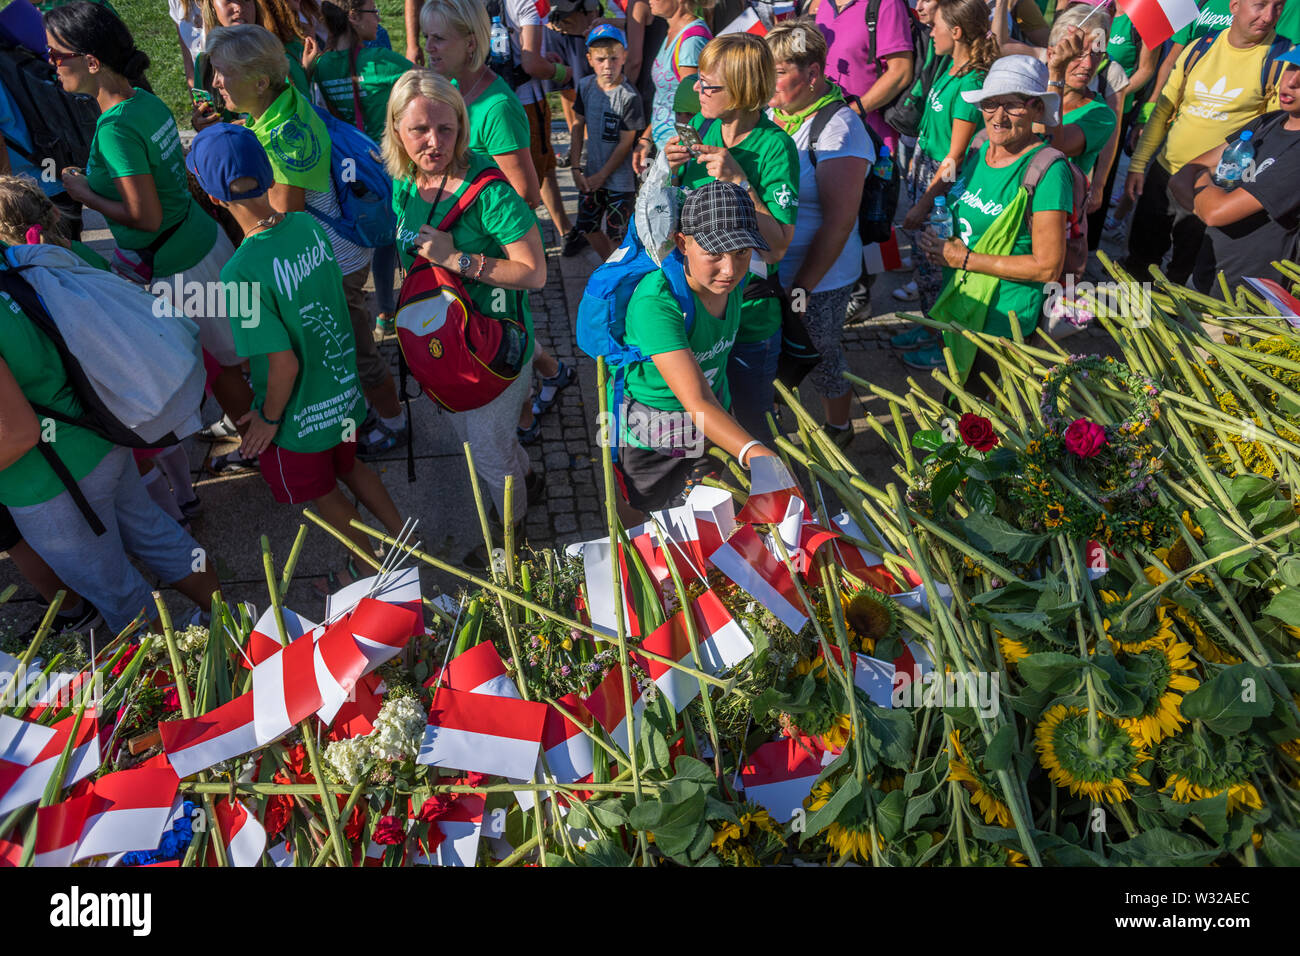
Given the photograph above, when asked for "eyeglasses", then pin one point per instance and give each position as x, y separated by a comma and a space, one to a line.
1017, 108
706, 88
56, 57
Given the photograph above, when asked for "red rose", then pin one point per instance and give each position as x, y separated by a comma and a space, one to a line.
171, 700
1084, 438
389, 831
278, 811
356, 823
435, 807
977, 432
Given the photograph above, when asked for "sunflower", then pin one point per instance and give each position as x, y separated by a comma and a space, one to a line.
840, 733
1016, 858
1205, 645
984, 793
871, 616
1054, 516
1099, 769
1013, 651
1166, 666
1200, 764
755, 835
851, 839
1136, 643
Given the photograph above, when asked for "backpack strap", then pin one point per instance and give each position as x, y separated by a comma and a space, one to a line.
820, 119
692, 30
69, 483
1042, 160
357, 116
1270, 72
873, 18
471, 193
675, 272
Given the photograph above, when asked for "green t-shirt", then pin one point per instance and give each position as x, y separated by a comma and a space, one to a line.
293, 51
1097, 120
139, 137
497, 218
377, 70
655, 324
295, 141
986, 192
943, 105
1288, 24
1214, 16
36, 366
497, 121
770, 161
89, 255
1125, 44
284, 291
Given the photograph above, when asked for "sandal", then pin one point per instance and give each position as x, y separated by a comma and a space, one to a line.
550, 388
333, 580
530, 434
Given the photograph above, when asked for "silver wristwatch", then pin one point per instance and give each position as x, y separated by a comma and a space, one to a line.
463, 264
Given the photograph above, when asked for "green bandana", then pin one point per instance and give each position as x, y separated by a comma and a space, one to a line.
790, 122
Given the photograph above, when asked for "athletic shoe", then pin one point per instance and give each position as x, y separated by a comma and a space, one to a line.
574, 243
387, 441
550, 390
224, 428
562, 160
191, 509
925, 360
916, 337
906, 293
859, 300
385, 324
231, 463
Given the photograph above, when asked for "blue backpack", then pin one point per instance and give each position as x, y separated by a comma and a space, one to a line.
361, 185
602, 313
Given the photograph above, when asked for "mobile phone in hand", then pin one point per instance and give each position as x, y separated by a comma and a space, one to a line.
689, 136
201, 96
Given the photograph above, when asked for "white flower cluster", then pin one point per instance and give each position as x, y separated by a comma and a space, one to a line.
398, 730
193, 638
397, 734
347, 759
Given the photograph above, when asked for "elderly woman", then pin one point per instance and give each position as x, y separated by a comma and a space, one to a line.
495, 246
1006, 247
740, 145
825, 255
250, 72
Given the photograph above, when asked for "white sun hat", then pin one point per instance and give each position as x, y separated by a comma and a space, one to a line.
1023, 74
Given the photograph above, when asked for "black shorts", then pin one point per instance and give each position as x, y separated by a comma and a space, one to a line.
651, 480
605, 211
9, 535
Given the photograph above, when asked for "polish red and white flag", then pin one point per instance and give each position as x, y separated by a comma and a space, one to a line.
747, 22
608, 706
780, 775
722, 644
599, 571
264, 638
801, 536
745, 559
355, 645
493, 735
243, 836
452, 837
401, 588
30, 752
1157, 20
770, 490
478, 670
119, 812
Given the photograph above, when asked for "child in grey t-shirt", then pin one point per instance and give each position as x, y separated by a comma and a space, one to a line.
610, 108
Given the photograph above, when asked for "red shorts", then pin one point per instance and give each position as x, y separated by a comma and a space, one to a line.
297, 477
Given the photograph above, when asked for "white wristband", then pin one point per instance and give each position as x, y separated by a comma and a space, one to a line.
745, 450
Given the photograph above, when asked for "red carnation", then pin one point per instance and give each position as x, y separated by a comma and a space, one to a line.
1084, 438
389, 831
435, 807
278, 811
977, 432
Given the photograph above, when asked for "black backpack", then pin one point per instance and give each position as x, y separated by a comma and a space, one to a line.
60, 125
920, 38
879, 196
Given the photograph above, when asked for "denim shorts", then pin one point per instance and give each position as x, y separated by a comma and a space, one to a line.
97, 566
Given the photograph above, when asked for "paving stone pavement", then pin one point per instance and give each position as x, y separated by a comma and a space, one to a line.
239, 509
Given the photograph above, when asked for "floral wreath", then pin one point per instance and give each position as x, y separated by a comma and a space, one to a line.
1112, 464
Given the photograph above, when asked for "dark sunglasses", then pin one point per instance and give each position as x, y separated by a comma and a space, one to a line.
57, 57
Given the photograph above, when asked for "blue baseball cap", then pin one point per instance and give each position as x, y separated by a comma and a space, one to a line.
1291, 56
222, 154
607, 31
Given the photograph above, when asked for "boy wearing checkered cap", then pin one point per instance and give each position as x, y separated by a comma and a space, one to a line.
677, 399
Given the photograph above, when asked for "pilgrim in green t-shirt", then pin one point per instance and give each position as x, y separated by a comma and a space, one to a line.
656, 324
768, 158
944, 104
138, 137
1124, 45
39, 372
496, 218
985, 193
377, 70
1097, 121
298, 306
497, 121
1288, 24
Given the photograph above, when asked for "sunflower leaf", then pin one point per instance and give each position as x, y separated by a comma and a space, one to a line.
990, 533
830, 811
889, 814
1240, 691
1164, 848
998, 755
1282, 847
1285, 606
605, 853
1052, 671
917, 807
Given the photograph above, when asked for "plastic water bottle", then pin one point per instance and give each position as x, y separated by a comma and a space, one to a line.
941, 218
1237, 158
884, 165
499, 44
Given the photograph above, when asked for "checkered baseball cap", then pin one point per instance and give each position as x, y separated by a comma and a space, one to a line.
721, 217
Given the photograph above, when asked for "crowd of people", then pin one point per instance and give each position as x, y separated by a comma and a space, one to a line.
1002, 123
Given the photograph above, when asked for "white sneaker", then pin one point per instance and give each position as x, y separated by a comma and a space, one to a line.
906, 293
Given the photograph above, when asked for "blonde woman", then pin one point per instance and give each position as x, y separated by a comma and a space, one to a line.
494, 245
740, 145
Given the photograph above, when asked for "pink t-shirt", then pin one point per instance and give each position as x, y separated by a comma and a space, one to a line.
846, 60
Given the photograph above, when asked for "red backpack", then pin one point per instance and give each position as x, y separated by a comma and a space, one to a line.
462, 358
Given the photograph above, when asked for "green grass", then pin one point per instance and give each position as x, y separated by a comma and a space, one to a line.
155, 33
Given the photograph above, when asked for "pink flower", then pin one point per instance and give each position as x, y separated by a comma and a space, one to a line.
1084, 438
